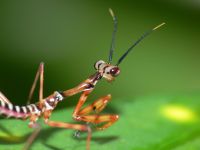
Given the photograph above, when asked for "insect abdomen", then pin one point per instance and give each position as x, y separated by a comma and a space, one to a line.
10, 110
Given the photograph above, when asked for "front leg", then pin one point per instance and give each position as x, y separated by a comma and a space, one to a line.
81, 101
97, 106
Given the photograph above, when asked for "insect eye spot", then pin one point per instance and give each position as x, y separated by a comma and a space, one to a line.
115, 71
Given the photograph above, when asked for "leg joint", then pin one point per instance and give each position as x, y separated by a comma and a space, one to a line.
77, 117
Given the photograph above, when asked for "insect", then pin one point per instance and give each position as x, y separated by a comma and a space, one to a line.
88, 114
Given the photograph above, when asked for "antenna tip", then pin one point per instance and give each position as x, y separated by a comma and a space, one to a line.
111, 12
158, 26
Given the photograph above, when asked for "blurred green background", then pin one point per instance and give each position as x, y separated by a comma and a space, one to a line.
70, 36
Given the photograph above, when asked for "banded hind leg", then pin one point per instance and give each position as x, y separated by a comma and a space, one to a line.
33, 118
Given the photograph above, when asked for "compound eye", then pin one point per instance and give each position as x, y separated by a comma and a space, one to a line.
115, 71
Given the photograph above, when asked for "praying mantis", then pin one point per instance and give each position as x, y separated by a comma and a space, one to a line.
45, 106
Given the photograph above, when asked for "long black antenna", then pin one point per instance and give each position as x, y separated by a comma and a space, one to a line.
138, 41
112, 47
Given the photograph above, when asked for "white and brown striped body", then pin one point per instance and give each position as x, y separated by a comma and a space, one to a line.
15, 111
24, 112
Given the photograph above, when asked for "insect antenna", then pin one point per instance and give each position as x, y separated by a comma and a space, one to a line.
112, 47
137, 42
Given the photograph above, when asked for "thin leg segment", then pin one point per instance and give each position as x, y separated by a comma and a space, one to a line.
96, 119
75, 127
3, 98
97, 106
81, 101
32, 137
40, 73
79, 127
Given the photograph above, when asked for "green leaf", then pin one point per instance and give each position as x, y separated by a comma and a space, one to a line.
145, 123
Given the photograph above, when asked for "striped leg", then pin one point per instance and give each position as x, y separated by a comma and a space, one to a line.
79, 127
97, 106
40, 73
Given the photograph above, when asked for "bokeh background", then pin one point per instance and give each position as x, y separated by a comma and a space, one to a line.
70, 36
